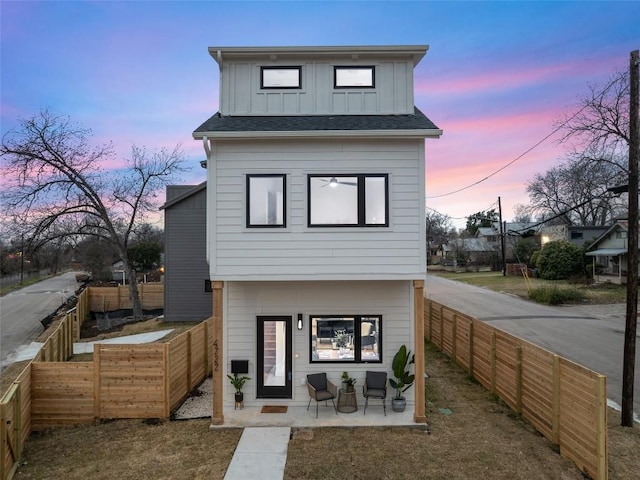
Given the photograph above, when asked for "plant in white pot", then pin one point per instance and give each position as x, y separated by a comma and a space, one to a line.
238, 383
403, 378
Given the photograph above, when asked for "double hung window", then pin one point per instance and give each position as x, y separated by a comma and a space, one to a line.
348, 200
266, 201
346, 338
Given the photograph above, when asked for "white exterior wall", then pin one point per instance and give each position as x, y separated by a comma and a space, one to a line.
298, 252
240, 92
244, 301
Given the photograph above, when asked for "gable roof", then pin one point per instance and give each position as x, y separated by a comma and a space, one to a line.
173, 201
416, 124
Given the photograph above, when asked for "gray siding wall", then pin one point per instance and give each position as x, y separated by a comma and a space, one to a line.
244, 301
185, 264
300, 252
240, 92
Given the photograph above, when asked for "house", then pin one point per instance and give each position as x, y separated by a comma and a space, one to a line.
187, 292
609, 253
314, 217
578, 235
469, 252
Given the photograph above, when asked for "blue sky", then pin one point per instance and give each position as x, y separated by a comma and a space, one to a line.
496, 77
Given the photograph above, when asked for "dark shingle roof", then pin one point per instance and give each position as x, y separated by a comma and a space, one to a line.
300, 123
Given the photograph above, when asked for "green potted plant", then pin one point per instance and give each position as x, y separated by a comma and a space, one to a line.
403, 378
238, 383
348, 382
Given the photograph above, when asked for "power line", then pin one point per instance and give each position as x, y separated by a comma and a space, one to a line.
553, 132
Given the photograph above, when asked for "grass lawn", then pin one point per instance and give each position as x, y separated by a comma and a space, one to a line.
518, 285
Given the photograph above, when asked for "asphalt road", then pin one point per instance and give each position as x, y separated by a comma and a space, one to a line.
22, 310
592, 336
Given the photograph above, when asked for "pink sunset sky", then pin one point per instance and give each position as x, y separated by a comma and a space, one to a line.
497, 78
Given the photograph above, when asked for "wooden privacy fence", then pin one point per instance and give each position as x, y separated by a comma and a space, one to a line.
564, 401
122, 381
108, 299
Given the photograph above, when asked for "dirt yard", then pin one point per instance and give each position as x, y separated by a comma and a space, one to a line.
471, 436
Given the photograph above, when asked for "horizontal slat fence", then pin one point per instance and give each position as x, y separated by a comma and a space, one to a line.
108, 299
564, 401
122, 381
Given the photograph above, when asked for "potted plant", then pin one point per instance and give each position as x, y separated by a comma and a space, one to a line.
238, 384
403, 378
348, 382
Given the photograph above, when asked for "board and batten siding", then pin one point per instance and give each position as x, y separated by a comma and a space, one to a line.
186, 268
240, 92
244, 301
299, 252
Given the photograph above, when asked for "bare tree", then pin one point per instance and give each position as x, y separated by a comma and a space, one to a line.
438, 229
601, 124
57, 186
574, 192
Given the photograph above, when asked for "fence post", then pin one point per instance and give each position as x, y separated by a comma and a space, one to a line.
3, 441
471, 346
493, 363
602, 426
166, 367
519, 380
454, 334
556, 401
189, 365
442, 328
97, 411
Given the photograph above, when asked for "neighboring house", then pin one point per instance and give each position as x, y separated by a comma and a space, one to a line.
187, 292
577, 235
609, 253
315, 217
463, 252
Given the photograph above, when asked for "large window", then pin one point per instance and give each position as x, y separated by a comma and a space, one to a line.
349, 338
266, 200
280, 77
348, 200
354, 77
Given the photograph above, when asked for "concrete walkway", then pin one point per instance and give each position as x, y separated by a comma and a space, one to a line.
261, 453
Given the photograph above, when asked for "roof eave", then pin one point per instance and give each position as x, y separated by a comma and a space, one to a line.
407, 133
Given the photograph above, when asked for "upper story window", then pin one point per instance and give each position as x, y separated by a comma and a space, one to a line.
576, 235
280, 77
621, 234
348, 200
354, 77
266, 201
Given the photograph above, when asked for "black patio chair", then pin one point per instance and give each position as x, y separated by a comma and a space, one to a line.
375, 386
321, 390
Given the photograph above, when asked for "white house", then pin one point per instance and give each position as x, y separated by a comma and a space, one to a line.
315, 217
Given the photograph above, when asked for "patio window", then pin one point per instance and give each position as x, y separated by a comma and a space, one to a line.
349, 338
266, 201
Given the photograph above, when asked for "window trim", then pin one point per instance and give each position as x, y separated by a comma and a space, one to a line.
361, 179
357, 320
280, 87
249, 176
336, 68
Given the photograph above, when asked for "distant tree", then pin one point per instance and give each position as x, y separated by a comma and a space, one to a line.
438, 230
574, 192
524, 248
56, 186
481, 219
560, 260
145, 256
522, 213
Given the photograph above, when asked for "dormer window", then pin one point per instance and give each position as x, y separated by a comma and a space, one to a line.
354, 77
280, 77
348, 200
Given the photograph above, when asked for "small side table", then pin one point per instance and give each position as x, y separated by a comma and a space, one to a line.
347, 402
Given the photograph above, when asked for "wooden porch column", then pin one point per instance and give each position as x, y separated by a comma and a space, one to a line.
217, 416
418, 321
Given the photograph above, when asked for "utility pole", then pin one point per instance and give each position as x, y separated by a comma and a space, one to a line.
628, 369
502, 233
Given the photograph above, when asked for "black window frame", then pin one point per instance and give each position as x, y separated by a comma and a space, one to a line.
280, 87
358, 320
354, 67
361, 180
249, 176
